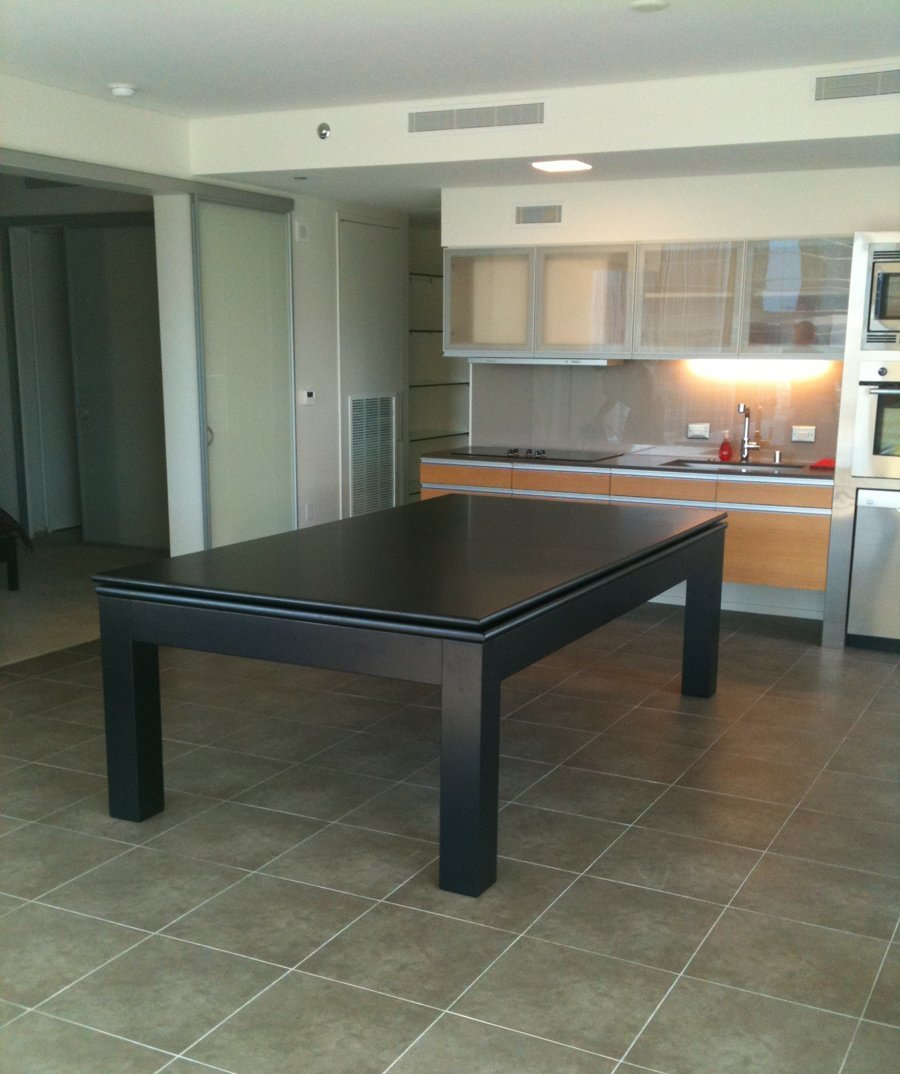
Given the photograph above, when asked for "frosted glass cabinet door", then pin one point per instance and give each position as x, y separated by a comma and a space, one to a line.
688, 297
584, 297
796, 295
488, 301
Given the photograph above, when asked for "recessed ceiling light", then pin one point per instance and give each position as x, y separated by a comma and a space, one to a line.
649, 5
561, 166
121, 89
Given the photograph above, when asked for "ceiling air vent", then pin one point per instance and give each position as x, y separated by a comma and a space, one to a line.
538, 214
455, 119
862, 84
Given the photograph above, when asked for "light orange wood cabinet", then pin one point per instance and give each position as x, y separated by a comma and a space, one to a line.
663, 488
558, 481
494, 478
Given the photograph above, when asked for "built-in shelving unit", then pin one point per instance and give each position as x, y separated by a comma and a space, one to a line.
438, 386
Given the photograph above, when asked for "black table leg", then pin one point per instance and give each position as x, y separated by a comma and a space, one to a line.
133, 724
702, 612
9, 554
470, 755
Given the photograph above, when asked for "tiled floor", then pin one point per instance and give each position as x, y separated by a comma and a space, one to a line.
688, 887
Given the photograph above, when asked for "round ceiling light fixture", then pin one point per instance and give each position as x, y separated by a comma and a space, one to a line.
649, 5
121, 89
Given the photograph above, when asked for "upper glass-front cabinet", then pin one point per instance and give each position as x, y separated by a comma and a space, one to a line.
688, 297
796, 295
489, 301
584, 299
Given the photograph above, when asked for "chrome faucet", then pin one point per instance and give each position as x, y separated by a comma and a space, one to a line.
747, 445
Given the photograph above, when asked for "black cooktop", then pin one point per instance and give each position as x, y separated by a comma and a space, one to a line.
538, 454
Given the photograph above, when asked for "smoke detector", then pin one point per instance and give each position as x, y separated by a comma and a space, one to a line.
121, 89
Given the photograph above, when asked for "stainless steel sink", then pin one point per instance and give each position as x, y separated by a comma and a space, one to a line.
732, 467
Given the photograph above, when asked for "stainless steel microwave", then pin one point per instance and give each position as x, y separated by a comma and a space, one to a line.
881, 328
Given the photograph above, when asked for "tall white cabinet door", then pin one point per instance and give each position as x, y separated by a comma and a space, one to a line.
246, 330
118, 385
45, 380
372, 327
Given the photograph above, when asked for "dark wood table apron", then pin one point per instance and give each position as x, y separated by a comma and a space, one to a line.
458, 591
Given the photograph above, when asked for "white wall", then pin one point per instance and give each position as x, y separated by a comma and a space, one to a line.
765, 205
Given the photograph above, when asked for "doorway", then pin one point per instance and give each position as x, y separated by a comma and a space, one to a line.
87, 363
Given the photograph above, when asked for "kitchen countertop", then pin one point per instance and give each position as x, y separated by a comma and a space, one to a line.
674, 461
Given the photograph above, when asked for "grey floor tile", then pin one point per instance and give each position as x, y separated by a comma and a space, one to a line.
516, 776
342, 710
749, 777
538, 742
409, 954
679, 728
91, 816
43, 950
599, 1003
873, 755
404, 809
679, 864
790, 960
834, 840
34, 790
354, 860
520, 893
33, 696
851, 795
275, 920
282, 740
720, 817
294, 1025
598, 684
9, 1011
731, 700
576, 713
831, 717
876, 1048
381, 755
638, 758
704, 1028
456, 1044
884, 1004
232, 834
593, 794
32, 738
219, 773
386, 689
775, 742
829, 895
191, 721
548, 837
145, 888
314, 792
151, 994
651, 927
417, 722
34, 858
36, 1044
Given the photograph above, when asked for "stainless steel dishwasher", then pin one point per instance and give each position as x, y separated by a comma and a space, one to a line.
873, 615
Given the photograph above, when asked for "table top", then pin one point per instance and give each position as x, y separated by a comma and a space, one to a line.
454, 561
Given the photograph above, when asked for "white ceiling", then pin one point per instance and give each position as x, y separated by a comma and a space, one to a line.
198, 58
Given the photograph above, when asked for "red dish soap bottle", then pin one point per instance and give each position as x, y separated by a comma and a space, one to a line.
725, 448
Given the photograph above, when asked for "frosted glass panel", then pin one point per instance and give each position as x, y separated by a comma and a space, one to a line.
585, 297
688, 297
797, 294
490, 301
245, 294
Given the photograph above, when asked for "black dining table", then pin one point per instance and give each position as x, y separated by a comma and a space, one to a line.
457, 591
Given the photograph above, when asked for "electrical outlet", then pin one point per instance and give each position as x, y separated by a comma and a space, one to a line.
803, 434
698, 430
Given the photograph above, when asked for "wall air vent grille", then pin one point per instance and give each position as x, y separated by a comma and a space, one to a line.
885, 255
373, 453
862, 84
538, 214
454, 119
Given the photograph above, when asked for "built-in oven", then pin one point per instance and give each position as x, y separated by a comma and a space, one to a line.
876, 434
881, 326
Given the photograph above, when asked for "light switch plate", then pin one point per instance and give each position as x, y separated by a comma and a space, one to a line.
803, 434
698, 430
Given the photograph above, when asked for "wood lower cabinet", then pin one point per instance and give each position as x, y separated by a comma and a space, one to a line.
777, 532
776, 549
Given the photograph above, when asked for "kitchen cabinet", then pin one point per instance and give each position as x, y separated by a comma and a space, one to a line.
688, 297
777, 530
489, 302
584, 299
796, 295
